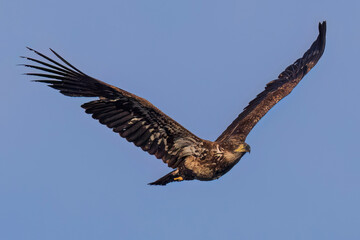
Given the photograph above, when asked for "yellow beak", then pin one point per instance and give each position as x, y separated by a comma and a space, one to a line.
243, 148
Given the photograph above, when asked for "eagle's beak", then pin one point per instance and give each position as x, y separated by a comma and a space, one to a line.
243, 148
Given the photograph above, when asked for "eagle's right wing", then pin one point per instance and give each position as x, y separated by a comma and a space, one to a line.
276, 90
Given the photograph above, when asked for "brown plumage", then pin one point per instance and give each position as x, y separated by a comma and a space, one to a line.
141, 123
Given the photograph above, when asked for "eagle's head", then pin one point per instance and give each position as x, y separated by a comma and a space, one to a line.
235, 152
236, 145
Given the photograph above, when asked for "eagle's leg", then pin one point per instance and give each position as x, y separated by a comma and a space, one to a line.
174, 176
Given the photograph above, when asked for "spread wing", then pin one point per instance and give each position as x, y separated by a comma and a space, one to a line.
134, 118
276, 90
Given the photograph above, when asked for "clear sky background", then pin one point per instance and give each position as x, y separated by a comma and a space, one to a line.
65, 176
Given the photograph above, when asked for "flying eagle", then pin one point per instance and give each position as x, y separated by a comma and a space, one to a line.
141, 123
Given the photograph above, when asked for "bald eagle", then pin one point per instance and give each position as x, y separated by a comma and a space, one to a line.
141, 123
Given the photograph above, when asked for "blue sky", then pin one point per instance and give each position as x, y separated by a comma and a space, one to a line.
65, 176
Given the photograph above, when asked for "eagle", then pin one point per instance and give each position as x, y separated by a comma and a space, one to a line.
140, 122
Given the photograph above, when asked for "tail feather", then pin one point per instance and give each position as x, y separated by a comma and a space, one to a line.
168, 178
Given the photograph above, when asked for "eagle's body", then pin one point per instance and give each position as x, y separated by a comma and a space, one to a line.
140, 122
214, 161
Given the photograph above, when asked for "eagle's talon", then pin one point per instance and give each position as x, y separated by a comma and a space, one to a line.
179, 179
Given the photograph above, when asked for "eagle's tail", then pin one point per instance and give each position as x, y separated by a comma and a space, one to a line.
173, 176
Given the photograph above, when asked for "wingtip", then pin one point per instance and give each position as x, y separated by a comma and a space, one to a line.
322, 34
55, 53
29, 48
28, 74
33, 50
322, 27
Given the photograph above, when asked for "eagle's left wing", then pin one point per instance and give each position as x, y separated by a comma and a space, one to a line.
276, 90
133, 117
